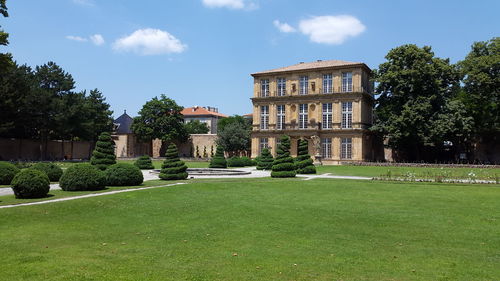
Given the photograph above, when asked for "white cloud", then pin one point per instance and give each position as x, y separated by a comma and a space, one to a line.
149, 41
283, 27
230, 4
76, 38
84, 2
333, 30
97, 39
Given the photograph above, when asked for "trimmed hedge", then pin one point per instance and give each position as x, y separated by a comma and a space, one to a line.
283, 166
219, 161
53, 171
303, 162
265, 160
103, 155
123, 174
144, 163
82, 177
173, 168
7, 172
30, 183
236, 161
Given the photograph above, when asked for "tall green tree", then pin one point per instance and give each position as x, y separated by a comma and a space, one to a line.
414, 87
304, 162
234, 139
160, 118
481, 84
5, 58
246, 123
98, 115
51, 83
16, 97
196, 127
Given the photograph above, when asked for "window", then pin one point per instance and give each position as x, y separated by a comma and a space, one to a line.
278, 142
327, 84
327, 116
264, 143
303, 116
326, 148
347, 115
346, 81
281, 86
346, 148
264, 87
304, 85
280, 117
264, 117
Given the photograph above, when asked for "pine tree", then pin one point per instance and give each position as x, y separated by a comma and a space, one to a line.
197, 152
218, 161
144, 163
265, 160
283, 166
212, 151
205, 155
173, 168
104, 152
303, 162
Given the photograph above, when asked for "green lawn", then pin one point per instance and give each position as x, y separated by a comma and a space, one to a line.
420, 172
260, 229
55, 194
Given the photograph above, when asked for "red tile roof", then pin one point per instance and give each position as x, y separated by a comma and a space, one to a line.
200, 111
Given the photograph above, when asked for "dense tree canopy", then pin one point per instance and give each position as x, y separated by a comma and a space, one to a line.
196, 127
415, 91
481, 96
160, 118
5, 58
233, 134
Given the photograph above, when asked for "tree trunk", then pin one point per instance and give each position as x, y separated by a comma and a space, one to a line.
72, 146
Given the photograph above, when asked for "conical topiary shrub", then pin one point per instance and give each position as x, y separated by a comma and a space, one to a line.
283, 166
303, 162
218, 161
265, 160
144, 163
104, 152
173, 168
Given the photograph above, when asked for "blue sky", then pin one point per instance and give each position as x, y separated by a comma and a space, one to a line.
201, 52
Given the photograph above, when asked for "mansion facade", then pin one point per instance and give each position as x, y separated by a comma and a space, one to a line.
327, 103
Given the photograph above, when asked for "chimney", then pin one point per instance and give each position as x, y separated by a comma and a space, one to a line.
319, 60
301, 62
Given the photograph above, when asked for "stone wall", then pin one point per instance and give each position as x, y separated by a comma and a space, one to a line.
25, 149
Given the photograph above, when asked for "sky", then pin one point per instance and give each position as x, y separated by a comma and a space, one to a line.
202, 52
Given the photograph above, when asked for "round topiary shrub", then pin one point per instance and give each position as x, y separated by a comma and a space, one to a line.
304, 163
265, 160
82, 177
7, 172
283, 166
123, 174
104, 152
53, 171
173, 168
219, 161
30, 183
144, 163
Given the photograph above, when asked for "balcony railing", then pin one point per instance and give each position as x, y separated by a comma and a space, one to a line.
318, 90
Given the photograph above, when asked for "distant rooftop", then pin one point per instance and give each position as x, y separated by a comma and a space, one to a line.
310, 65
202, 111
123, 124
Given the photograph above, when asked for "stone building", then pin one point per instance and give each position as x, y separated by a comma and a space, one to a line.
126, 143
329, 103
208, 115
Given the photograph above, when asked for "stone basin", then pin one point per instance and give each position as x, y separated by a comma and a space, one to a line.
212, 172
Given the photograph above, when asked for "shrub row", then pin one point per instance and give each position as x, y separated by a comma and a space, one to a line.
243, 161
